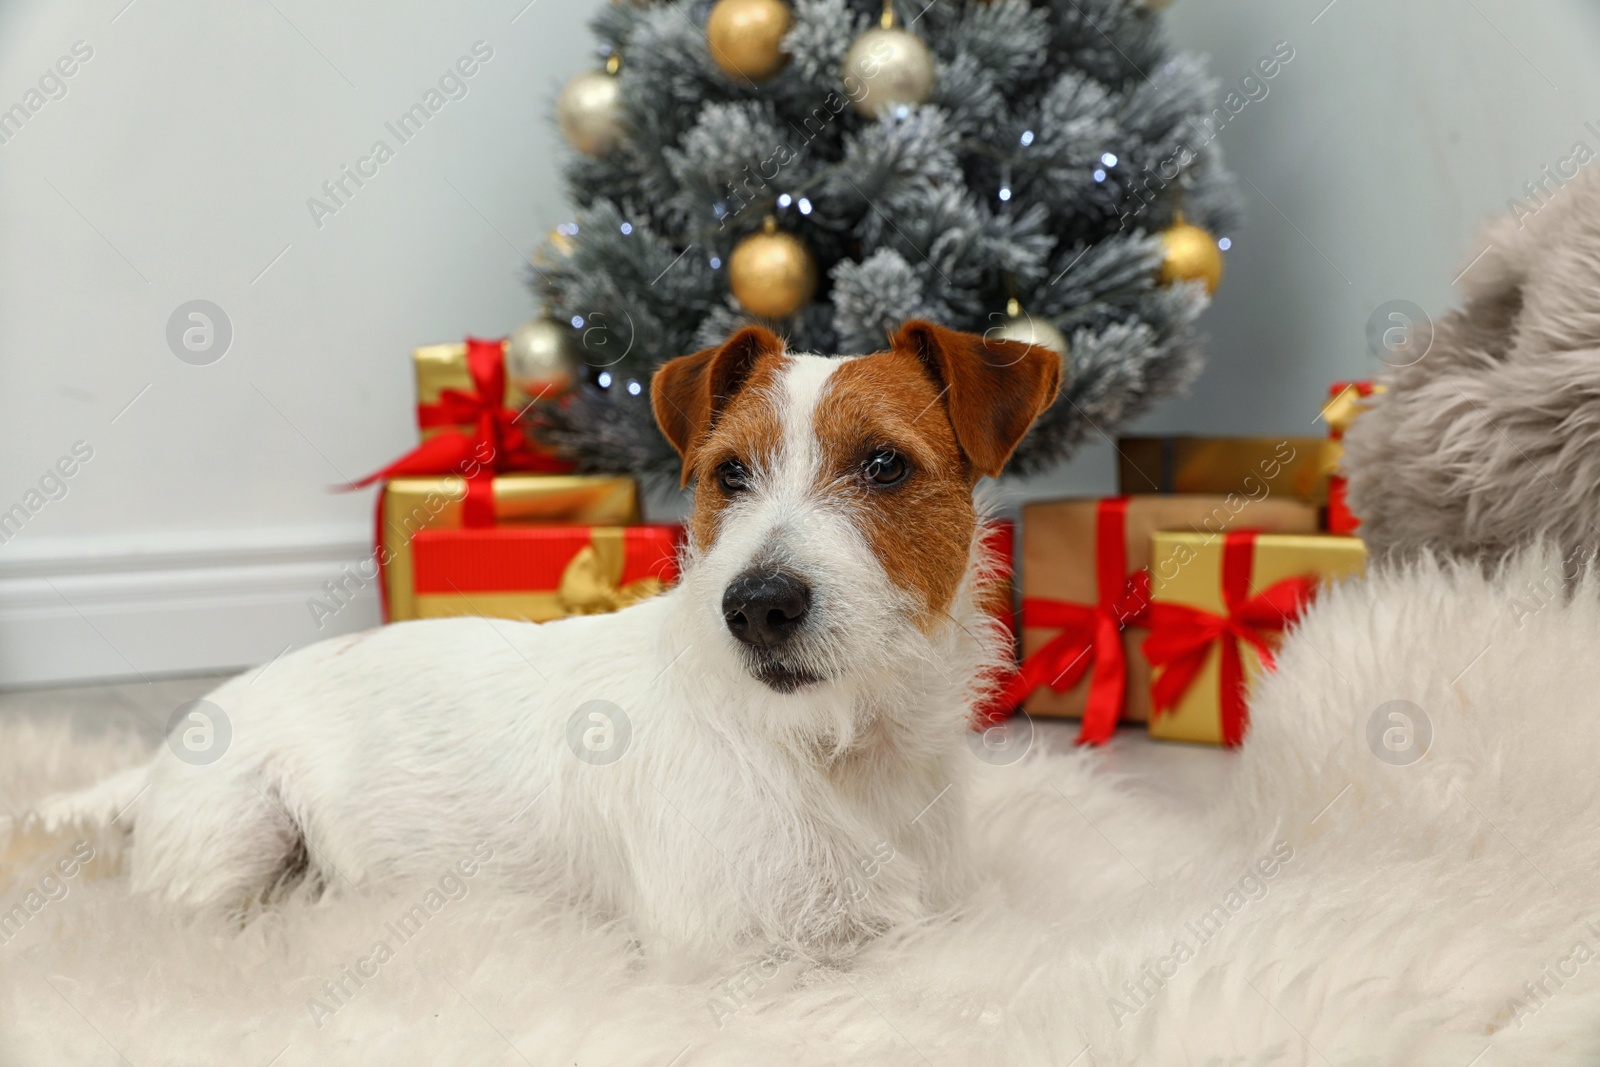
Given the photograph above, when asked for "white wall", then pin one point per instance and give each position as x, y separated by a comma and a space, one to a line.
178, 165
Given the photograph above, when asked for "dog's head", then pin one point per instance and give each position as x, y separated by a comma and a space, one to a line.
833, 516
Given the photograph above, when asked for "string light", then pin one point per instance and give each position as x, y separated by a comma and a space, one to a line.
1099, 175
604, 379
1225, 244
716, 262
1027, 138
785, 200
577, 322
627, 228
805, 206
634, 389
1109, 159
1005, 192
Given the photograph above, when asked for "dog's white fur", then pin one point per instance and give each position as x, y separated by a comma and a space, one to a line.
1420, 905
736, 812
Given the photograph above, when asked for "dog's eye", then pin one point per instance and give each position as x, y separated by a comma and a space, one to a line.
732, 476
885, 467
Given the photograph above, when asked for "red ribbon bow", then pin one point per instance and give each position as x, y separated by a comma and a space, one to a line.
1181, 636
495, 444
1091, 634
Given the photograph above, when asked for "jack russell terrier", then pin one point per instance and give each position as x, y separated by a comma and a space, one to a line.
789, 720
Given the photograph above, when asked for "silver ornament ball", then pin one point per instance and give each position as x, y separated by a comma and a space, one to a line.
1033, 331
589, 112
885, 68
541, 357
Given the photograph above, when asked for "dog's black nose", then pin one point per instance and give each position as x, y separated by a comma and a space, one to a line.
765, 608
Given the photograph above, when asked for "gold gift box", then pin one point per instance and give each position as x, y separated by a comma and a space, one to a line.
1296, 467
411, 505
441, 367
1059, 557
1187, 569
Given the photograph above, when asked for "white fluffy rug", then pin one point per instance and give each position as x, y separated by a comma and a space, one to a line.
1443, 912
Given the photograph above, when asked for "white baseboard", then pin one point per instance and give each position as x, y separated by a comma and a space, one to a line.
88, 611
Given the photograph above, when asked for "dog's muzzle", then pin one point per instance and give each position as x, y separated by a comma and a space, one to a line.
764, 610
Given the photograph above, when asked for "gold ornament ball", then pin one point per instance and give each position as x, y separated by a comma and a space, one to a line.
772, 273
1191, 254
885, 68
541, 358
747, 37
557, 246
589, 112
1033, 331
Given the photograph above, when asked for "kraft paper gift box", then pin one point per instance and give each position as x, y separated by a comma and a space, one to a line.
1291, 467
411, 507
1085, 588
1346, 400
1219, 607
539, 573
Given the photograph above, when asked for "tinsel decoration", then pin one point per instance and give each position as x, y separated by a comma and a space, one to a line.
1044, 165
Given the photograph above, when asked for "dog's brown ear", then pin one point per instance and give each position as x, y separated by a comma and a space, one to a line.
993, 388
688, 393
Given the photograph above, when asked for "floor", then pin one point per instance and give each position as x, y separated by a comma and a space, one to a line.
1183, 774
145, 706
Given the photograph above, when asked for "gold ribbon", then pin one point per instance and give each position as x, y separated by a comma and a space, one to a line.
1342, 410
591, 583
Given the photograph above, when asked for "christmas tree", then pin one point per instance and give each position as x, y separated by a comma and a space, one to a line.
1037, 168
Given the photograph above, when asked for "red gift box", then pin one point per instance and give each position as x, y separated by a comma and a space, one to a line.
999, 539
539, 573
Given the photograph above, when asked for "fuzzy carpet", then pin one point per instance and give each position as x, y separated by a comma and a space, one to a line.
1333, 907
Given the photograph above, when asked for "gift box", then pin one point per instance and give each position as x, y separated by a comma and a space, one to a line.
1000, 598
1086, 588
1219, 606
1293, 467
468, 426
408, 508
541, 573
1346, 400
449, 393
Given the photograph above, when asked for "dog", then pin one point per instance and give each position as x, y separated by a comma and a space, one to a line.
773, 748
